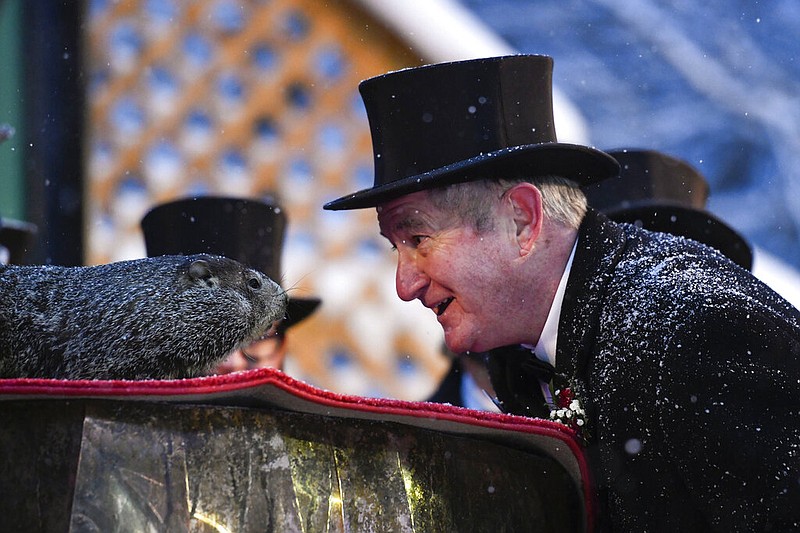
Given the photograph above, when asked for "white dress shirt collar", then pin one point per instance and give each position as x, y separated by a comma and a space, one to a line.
545, 349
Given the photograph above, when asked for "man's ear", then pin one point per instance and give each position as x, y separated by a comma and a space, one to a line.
526, 203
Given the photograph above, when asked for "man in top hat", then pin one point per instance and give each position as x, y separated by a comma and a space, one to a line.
685, 364
249, 231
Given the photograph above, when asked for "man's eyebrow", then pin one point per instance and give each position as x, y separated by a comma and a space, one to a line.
407, 223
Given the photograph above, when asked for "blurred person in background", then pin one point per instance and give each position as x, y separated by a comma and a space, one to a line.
247, 230
466, 382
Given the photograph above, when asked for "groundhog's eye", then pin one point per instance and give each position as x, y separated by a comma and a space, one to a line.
254, 283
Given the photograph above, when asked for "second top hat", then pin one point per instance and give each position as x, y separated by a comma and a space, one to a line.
647, 176
662, 193
249, 231
453, 122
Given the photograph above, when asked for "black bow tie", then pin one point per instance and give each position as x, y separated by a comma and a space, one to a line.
516, 374
525, 361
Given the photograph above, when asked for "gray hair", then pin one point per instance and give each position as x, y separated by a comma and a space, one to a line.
562, 199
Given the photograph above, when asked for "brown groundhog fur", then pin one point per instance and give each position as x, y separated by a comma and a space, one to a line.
156, 318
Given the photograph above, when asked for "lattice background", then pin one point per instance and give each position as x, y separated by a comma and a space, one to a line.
251, 98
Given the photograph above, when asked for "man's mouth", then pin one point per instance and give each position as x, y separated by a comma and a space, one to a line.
440, 308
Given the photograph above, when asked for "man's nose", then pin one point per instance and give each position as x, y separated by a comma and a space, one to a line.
409, 280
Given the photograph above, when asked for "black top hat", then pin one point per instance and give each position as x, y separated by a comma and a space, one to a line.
16, 237
454, 122
249, 231
662, 193
645, 176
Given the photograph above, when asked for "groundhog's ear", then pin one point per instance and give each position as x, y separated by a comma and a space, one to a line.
200, 270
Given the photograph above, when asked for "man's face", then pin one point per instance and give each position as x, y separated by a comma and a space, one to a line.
457, 272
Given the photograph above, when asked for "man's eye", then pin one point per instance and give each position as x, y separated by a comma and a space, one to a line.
413, 241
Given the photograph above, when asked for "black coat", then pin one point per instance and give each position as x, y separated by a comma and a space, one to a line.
691, 375
449, 390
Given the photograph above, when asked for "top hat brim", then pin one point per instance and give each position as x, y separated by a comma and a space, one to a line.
694, 224
297, 310
581, 164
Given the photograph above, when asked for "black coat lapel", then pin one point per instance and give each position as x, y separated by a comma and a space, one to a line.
600, 247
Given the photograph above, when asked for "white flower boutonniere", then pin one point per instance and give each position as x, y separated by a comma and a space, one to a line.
567, 409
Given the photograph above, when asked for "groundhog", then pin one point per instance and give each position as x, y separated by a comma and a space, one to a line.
157, 318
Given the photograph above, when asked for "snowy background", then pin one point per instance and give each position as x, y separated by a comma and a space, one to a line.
716, 83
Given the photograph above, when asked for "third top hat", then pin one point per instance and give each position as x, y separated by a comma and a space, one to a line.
249, 231
453, 122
